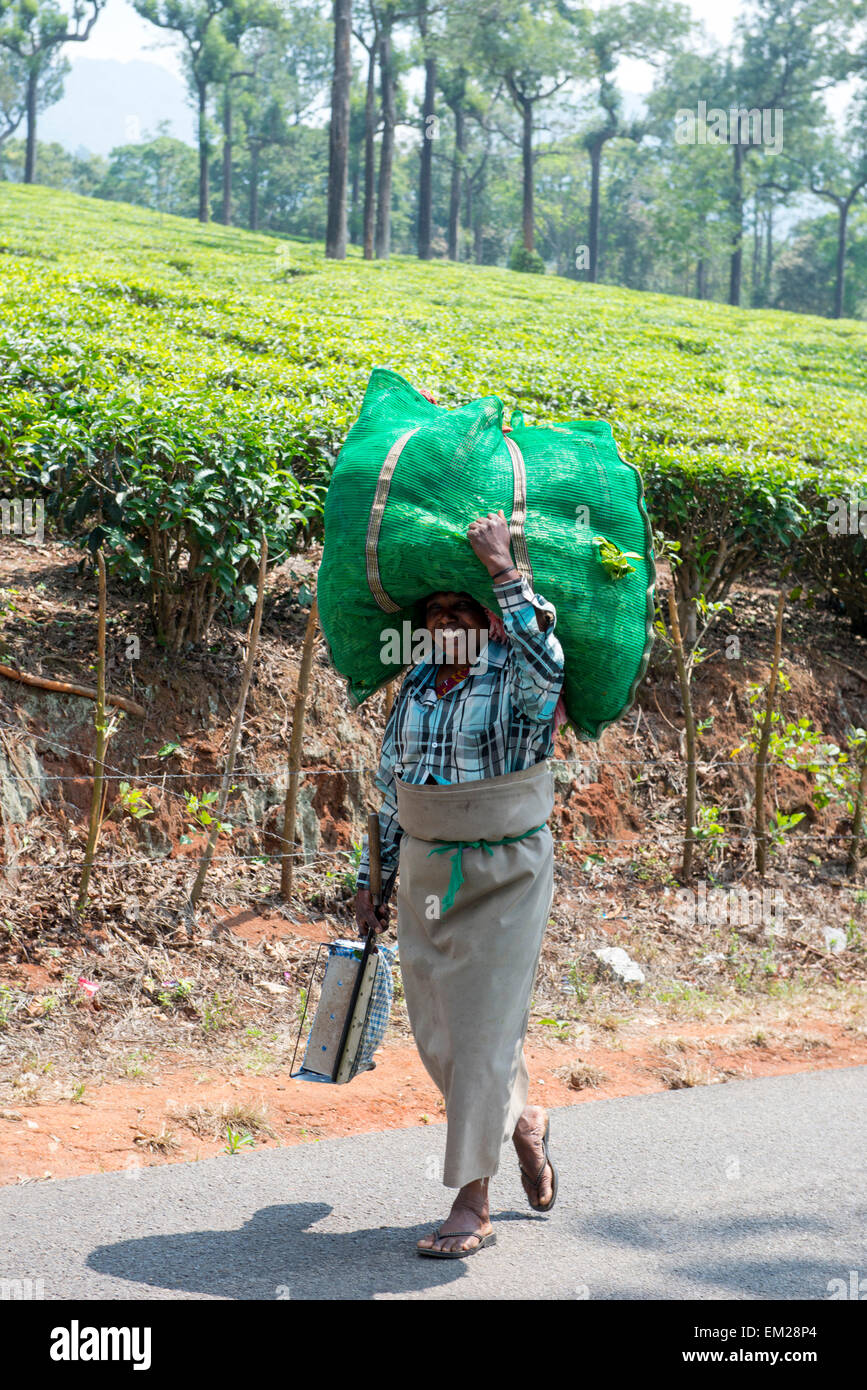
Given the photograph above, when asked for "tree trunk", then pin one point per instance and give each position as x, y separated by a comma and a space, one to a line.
755, 296
478, 232
700, 273
737, 213
254, 188
204, 189
338, 142
353, 209
455, 191
386, 154
370, 151
425, 196
30, 156
843, 217
475, 187
527, 160
769, 253
593, 231
468, 216
227, 155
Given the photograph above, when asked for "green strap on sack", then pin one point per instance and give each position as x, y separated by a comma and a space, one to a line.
457, 848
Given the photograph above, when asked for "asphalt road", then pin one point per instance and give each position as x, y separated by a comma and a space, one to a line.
749, 1190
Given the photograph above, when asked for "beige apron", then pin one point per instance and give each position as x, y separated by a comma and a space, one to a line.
468, 973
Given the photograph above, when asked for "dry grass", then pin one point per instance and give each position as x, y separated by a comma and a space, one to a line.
685, 1074
26, 1092
164, 1142
807, 1042
211, 1122
610, 1022
581, 1075
677, 1046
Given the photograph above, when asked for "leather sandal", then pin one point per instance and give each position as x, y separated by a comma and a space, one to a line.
489, 1239
546, 1162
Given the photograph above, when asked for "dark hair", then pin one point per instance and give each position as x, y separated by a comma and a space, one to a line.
423, 603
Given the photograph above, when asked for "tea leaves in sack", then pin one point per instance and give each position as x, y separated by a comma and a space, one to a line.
410, 479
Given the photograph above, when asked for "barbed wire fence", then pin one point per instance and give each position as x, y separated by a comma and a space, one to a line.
258, 776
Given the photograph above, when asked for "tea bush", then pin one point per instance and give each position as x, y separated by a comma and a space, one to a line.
170, 388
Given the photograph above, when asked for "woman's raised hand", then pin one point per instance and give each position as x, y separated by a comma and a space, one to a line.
489, 537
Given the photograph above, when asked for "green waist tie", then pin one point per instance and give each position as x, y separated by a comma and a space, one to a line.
458, 846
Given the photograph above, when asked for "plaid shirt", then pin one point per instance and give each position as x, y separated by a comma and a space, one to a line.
498, 720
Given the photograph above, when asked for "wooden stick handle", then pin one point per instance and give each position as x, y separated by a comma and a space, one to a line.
375, 861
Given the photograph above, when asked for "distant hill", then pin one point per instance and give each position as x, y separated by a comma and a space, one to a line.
107, 103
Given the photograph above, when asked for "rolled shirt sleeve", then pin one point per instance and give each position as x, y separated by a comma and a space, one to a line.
537, 666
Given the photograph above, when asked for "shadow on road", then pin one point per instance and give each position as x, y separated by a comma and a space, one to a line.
703, 1252
276, 1255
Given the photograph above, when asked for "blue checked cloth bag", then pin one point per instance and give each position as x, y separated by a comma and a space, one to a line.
377, 1013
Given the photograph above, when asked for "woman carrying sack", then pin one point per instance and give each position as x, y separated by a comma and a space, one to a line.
467, 793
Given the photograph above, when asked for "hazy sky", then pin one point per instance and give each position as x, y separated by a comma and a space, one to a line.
120, 33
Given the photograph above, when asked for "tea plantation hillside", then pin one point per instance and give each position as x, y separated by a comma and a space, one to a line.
154, 369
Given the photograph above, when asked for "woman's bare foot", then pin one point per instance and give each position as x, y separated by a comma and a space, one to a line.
469, 1212
527, 1139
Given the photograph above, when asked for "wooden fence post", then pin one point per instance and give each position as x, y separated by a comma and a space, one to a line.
686, 697
101, 740
294, 763
764, 741
196, 890
861, 794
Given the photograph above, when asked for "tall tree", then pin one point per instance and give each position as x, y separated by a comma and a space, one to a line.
338, 138
370, 42
13, 95
534, 52
805, 264
389, 17
839, 176
454, 73
235, 23
483, 132
428, 129
636, 29
357, 130
235, 75
13, 89
269, 127
786, 52
239, 24
291, 71
691, 209
386, 17
209, 56
834, 168
33, 31
453, 85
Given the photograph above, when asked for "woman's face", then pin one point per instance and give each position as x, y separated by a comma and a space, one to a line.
449, 617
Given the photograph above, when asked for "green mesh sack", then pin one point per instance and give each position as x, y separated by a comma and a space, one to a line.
410, 479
